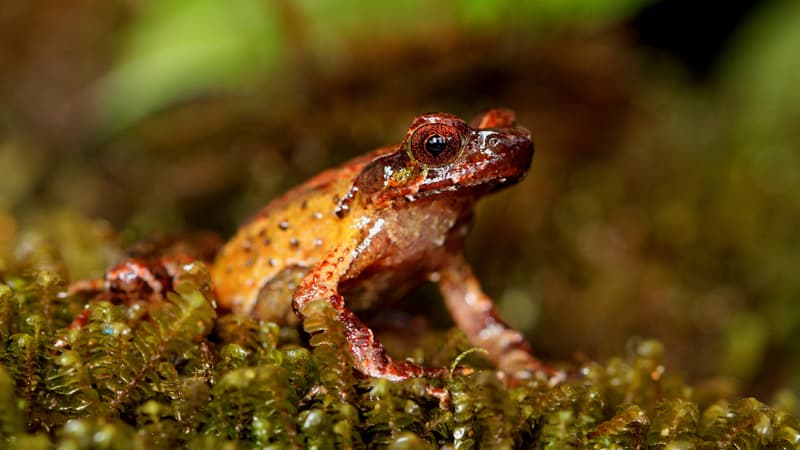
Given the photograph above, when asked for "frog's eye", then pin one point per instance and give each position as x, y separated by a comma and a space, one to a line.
435, 144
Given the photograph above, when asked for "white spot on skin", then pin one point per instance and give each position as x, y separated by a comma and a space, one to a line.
387, 173
500, 335
477, 302
374, 230
363, 221
236, 302
127, 276
491, 332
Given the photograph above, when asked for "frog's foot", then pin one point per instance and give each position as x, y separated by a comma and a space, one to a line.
518, 365
85, 287
439, 393
370, 358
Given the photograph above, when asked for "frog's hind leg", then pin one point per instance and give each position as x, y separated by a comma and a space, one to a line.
475, 313
85, 287
369, 355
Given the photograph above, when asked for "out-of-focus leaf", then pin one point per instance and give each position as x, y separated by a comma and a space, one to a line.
19, 165
179, 47
763, 66
593, 12
411, 15
746, 341
761, 74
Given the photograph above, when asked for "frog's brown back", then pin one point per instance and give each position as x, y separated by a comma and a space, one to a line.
284, 240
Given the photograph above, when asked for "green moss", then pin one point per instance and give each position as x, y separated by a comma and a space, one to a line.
174, 374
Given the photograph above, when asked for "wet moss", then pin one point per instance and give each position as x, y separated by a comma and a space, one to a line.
175, 374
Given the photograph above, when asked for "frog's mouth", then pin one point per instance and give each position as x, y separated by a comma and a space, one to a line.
476, 188
493, 159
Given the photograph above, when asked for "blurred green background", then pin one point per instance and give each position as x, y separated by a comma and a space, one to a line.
664, 198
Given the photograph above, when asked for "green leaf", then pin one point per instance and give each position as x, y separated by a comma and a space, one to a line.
178, 48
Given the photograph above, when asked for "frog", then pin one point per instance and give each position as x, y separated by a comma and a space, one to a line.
145, 274
370, 230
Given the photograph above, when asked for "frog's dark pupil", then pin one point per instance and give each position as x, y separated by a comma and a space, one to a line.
436, 144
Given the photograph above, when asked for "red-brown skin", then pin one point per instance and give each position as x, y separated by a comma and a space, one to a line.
148, 269
371, 229
146, 272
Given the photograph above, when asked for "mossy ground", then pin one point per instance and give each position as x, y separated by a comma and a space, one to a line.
177, 374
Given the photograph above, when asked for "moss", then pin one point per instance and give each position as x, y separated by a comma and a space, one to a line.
175, 374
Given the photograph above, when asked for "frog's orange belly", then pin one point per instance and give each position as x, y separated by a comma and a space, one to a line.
271, 299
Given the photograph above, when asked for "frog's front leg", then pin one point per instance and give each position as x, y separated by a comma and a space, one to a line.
369, 356
474, 312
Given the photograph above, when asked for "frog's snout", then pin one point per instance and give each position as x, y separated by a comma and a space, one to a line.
508, 141
520, 148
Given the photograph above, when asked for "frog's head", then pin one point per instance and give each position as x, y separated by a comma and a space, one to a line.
443, 155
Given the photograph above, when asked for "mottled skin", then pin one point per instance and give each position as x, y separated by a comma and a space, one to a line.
146, 273
380, 224
149, 268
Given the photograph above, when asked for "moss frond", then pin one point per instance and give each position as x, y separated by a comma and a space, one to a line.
328, 340
674, 424
11, 415
626, 430
71, 382
256, 404
8, 318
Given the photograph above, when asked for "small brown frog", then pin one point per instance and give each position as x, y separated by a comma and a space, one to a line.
377, 226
